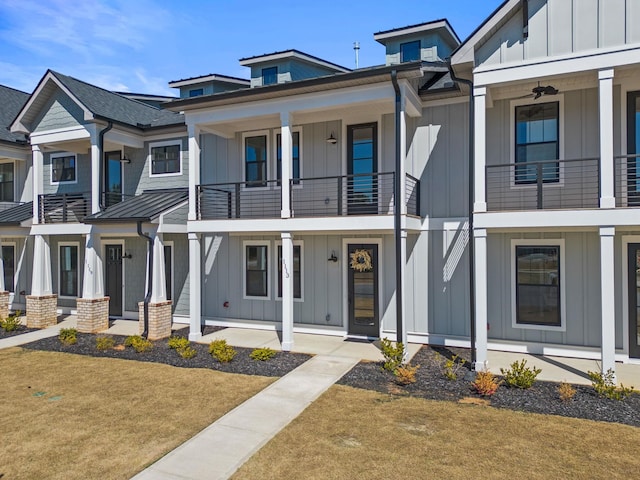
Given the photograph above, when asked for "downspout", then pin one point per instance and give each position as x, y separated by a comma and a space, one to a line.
397, 179
101, 153
147, 296
471, 193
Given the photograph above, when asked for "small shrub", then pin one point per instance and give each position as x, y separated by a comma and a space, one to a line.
187, 352
566, 391
262, 354
449, 367
604, 384
138, 343
221, 351
176, 343
11, 323
519, 375
485, 383
406, 374
393, 355
68, 336
105, 343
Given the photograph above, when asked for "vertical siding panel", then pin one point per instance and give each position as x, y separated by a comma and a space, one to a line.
633, 21
560, 31
585, 25
612, 25
536, 46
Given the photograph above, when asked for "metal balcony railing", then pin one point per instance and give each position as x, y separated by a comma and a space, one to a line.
549, 184
63, 207
412, 188
239, 200
627, 180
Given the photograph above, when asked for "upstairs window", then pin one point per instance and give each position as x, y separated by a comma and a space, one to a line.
269, 76
295, 174
537, 134
165, 159
196, 92
63, 168
255, 161
6, 182
410, 51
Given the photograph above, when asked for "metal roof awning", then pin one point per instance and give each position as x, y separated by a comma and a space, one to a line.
145, 207
15, 215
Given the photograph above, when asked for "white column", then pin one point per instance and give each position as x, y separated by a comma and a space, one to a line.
608, 301
41, 277
607, 198
480, 148
403, 272
195, 287
194, 169
95, 175
159, 285
481, 278
287, 291
38, 165
287, 163
2, 285
93, 277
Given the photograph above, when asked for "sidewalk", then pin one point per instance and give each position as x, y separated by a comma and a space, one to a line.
220, 449
17, 340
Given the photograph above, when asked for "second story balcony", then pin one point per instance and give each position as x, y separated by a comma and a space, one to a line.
63, 207
360, 194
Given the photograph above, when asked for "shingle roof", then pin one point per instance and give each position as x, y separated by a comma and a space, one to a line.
14, 216
439, 82
112, 106
141, 208
11, 102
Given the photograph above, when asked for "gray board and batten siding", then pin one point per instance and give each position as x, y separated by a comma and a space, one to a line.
60, 111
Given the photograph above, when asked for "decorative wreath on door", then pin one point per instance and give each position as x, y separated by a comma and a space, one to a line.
361, 261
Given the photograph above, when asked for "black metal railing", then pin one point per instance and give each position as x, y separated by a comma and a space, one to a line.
412, 189
239, 200
63, 207
9, 205
627, 180
549, 184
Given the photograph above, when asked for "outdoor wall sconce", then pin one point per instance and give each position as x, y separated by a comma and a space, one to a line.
127, 256
124, 159
332, 139
333, 257
225, 304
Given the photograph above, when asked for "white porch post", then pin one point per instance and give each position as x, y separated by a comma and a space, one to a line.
481, 279
159, 284
607, 169
287, 291
607, 288
2, 285
194, 169
480, 148
41, 278
95, 174
38, 161
93, 277
287, 163
195, 287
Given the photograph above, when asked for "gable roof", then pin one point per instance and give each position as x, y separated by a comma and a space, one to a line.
97, 103
11, 102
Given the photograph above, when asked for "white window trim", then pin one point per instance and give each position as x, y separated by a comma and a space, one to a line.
257, 133
299, 243
15, 266
58, 155
15, 184
276, 132
169, 243
245, 244
70, 244
555, 242
166, 143
559, 98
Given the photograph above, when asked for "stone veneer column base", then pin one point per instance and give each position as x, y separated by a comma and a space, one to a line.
42, 311
93, 314
160, 319
4, 305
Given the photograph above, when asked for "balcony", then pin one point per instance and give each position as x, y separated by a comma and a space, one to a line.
63, 207
554, 184
627, 180
361, 194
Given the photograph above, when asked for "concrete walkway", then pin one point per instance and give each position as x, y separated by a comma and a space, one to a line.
220, 449
17, 340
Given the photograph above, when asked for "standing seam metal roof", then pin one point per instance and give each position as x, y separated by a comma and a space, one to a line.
144, 207
14, 216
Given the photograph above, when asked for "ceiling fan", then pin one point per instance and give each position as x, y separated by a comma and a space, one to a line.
540, 90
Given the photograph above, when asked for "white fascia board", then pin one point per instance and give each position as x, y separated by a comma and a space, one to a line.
14, 232
209, 78
413, 102
124, 138
380, 37
172, 228
562, 65
558, 218
61, 229
60, 135
291, 54
15, 153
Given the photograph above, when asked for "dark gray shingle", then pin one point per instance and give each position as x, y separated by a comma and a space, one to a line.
11, 102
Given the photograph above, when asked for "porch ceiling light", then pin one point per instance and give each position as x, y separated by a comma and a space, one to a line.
332, 139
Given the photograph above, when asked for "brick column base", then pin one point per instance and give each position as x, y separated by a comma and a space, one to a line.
160, 319
4, 305
93, 314
42, 311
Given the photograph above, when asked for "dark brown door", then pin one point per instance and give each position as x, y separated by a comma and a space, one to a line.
634, 300
364, 318
113, 274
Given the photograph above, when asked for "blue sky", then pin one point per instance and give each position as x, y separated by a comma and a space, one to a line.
141, 45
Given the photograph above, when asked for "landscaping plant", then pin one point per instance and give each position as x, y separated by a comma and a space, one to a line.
221, 351
406, 374
68, 336
566, 391
605, 385
485, 383
11, 323
449, 367
393, 355
138, 343
262, 354
104, 343
519, 375
182, 346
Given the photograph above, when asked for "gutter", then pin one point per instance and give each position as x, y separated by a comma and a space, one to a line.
397, 211
471, 193
147, 297
101, 169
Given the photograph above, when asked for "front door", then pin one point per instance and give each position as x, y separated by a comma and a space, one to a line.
634, 300
112, 178
362, 168
363, 290
113, 274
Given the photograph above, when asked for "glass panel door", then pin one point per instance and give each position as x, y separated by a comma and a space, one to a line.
362, 166
112, 179
113, 284
363, 290
634, 300
633, 148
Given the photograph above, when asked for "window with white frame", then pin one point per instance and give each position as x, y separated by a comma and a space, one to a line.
68, 265
6, 182
297, 270
539, 284
255, 160
256, 269
295, 140
9, 262
166, 158
64, 168
537, 143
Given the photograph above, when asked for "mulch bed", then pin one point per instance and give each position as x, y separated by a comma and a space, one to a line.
281, 364
541, 398
20, 330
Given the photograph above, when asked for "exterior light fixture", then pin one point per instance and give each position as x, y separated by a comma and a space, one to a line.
332, 139
333, 257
